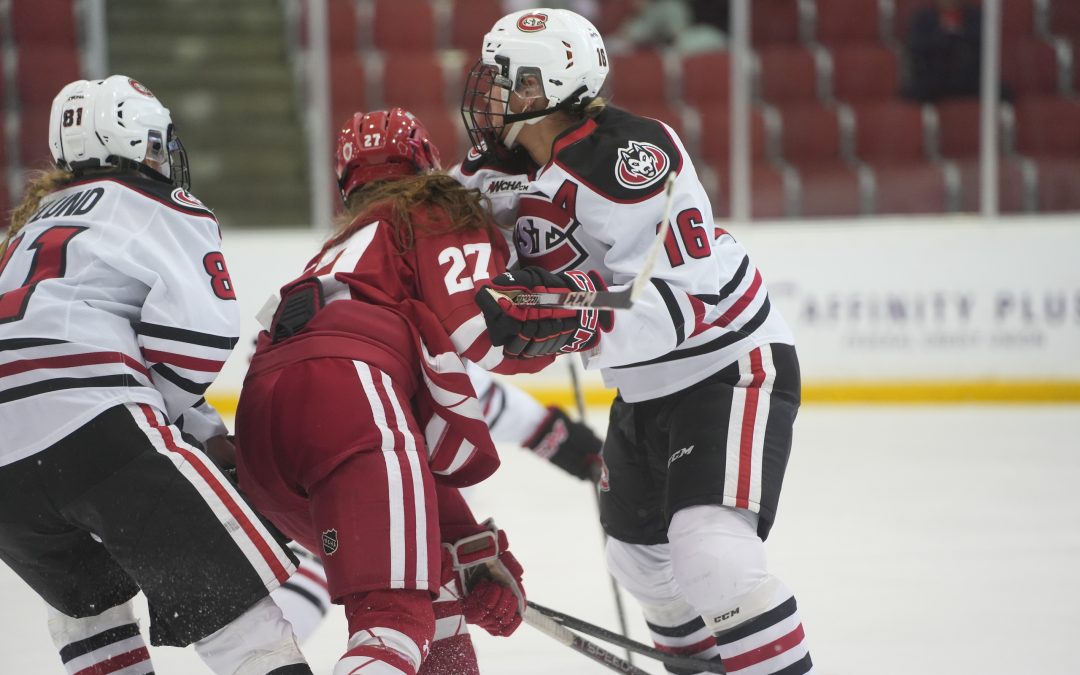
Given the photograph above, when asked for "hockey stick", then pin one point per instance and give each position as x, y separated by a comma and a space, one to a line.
579, 644
674, 660
579, 399
623, 299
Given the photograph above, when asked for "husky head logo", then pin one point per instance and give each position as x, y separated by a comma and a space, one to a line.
640, 165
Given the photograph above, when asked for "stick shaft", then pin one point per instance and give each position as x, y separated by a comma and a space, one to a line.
675, 660
620, 611
579, 644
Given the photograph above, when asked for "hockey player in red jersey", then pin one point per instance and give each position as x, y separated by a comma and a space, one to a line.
357, 422
116, 313
708, 379
514, 418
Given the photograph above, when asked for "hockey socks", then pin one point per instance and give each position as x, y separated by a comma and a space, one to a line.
304, 599
107, 643
257, 642
770, 641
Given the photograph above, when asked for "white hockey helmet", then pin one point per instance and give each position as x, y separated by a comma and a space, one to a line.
115, 122
562, 49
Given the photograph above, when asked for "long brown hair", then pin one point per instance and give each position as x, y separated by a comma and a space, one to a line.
42, 183
444, 198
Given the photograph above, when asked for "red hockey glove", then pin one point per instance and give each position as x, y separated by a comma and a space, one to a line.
526, 332
569, 445
490, 575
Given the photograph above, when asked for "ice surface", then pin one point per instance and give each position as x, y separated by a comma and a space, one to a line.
930, 540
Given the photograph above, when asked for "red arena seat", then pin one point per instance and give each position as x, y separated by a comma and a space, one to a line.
1048, 127
1029, 66
41, 71
864, 72
847, 21
706, 78
637, 77
470, 20
43, 22
405, 26
774, 22
788, 74
413, 80
889, 132
909, 188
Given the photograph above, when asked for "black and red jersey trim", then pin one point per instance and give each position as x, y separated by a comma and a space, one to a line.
28, 343
123, 380
727, 339
179, 381
673, 308
590, 153
159, 191
156, 330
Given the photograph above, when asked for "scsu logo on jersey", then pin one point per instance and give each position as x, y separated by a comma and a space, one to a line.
640, 165
185, 198
531, 23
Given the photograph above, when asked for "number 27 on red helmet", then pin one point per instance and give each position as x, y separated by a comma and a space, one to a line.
382, 144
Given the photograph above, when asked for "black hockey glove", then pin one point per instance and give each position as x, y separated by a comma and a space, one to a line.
569, 445
526, 332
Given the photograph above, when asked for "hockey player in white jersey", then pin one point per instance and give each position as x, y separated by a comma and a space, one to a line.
116, 312
708, 379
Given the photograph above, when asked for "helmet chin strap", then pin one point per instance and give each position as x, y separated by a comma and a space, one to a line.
517, 121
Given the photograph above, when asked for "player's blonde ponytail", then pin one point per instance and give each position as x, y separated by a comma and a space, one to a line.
41, 184
450, 207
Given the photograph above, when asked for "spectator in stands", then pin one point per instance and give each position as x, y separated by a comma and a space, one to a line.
943, 46
687, 26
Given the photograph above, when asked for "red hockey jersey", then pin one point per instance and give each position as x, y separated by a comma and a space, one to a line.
412, 315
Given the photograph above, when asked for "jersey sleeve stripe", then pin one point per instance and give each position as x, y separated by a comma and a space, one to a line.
28, 343
190, 386
185, 335
677, 317
71, 361
742, 303
56, 384
736, 279
728, 338
182, 361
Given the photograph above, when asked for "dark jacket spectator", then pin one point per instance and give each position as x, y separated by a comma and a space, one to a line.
943, 49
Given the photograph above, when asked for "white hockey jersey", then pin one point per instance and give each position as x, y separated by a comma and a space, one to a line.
115, 291
597, 205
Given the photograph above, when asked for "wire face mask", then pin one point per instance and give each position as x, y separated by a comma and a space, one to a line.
485, 104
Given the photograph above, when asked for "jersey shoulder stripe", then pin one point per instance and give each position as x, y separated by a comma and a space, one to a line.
619, 155
166, 194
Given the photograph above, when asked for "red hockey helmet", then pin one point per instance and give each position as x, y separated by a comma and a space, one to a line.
382, 144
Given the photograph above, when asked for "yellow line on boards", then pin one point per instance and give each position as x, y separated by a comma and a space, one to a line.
849, 393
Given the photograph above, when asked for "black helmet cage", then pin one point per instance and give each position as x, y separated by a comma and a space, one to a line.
477, 103
179, 172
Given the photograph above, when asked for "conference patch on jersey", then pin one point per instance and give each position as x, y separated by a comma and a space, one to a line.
186, 199
532, 23
640, 165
